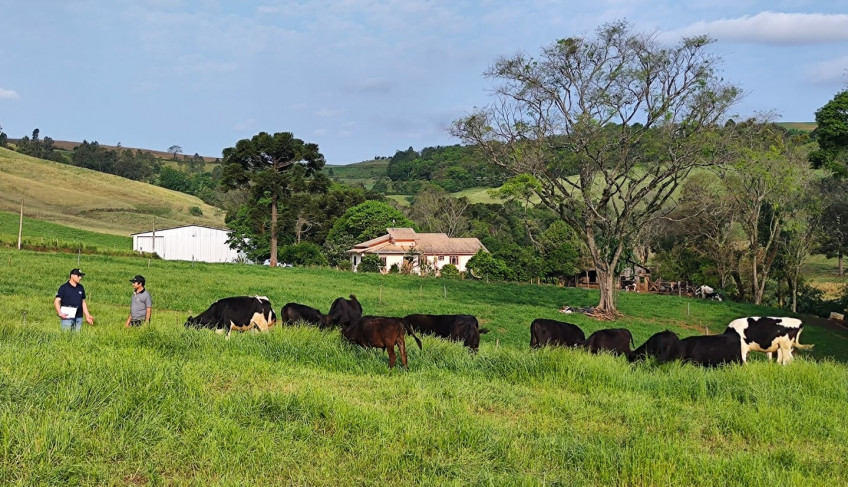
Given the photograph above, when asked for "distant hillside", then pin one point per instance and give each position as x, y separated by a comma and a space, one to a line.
365, 172
95, 201
805, 126
67, 145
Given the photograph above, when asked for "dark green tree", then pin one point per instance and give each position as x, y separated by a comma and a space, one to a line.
360, 223
831, 133
264, 163
303, 254
175, 180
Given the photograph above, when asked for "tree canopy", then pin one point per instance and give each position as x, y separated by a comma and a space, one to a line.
831, 133
265, 164
609, 127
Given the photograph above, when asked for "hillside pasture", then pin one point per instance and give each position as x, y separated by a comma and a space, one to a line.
94, 201
163, 405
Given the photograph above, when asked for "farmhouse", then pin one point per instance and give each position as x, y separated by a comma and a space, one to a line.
404, 246
191, 242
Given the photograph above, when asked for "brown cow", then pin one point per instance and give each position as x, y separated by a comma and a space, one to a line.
381, 332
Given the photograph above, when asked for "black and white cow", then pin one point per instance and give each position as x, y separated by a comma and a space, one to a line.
460, 328
711, 350
615, 340
663, 346
238, 313
293, 313
768, 334
554, 333
706, 292
344, 312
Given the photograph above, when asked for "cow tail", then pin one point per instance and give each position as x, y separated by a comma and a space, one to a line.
411, 332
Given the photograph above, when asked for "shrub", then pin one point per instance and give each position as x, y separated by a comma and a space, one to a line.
449, 271
370, 263
196, 211
303, 254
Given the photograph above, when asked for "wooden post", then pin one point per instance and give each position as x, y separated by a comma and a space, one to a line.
21, 225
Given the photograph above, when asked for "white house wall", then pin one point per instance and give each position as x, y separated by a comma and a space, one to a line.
187, 243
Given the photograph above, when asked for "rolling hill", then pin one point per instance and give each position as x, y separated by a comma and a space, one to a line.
95, 201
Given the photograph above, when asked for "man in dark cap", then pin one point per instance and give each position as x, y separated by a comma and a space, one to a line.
70, 303
140, 305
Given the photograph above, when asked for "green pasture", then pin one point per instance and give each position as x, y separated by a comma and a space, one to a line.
163, 405
98, 202
45, 234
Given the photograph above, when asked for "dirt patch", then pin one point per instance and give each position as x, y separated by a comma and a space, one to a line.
812, 320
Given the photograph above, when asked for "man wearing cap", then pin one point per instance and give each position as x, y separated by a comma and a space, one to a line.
70, 303
140, 305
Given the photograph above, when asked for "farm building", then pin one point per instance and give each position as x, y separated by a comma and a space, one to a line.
402, 245
190, 242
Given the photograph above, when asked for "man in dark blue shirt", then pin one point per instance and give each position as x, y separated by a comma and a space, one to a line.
70, 303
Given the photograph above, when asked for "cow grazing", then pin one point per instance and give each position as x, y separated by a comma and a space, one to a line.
663, 346
460, 328
293, 313
554, 333
615, 340
381, 332
344, 312
768, 334
238, 313
706, 292
711, 350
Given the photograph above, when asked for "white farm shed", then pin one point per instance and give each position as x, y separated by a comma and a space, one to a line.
191, 242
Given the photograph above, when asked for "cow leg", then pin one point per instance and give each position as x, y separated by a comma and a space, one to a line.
784, 355
391, 350
402, 347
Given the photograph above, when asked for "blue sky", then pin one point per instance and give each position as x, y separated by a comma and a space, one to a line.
361, 78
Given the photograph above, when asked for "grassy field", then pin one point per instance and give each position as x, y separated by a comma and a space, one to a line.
162, 405
93, 201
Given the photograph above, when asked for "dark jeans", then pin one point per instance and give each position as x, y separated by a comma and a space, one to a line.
136, 322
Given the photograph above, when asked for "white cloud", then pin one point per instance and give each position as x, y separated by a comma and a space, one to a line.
328, 113
833, 70
248, 124
773, 28
8, 94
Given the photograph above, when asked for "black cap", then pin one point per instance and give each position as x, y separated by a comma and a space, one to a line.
139, 279
76, 272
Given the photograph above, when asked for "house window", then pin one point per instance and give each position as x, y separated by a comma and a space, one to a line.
441, 258
383, 261
454, 260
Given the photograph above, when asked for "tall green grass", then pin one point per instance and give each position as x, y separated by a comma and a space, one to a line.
163, 405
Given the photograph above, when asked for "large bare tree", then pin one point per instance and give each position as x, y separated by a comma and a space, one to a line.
610, 126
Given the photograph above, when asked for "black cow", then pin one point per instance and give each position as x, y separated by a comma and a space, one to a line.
770, 334
238, 313
293, 313
552, 332
615, 340
344, 312
460, 328
381, 332
663, 346
711, 350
